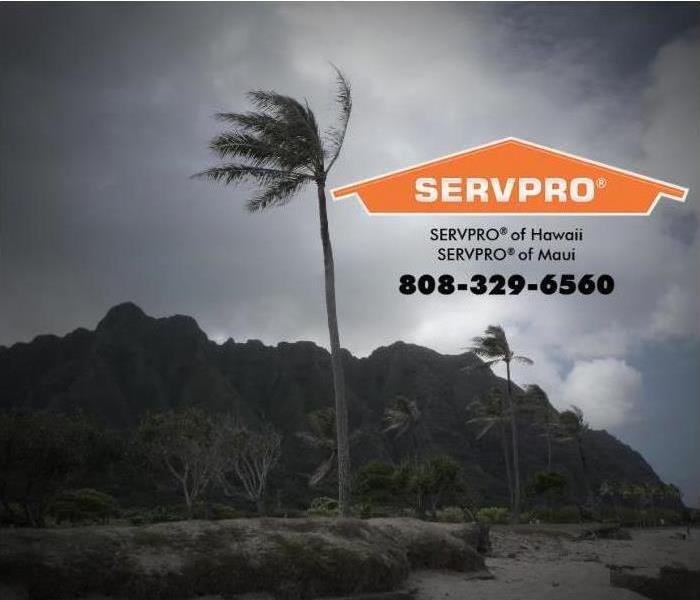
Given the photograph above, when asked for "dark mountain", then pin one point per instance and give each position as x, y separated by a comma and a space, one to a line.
132, 363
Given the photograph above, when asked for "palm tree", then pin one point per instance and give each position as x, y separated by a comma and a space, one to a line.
492, 411
280, 147
548, 417
493, 346
574, 428
321, 435
404, 416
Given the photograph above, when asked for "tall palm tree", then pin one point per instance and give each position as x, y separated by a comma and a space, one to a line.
280, 147
493, 346
404, 416
492, 412
574, 428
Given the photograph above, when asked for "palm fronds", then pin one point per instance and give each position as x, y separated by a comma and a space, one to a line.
335, 136
493, 344
402, 416
278, 146
489, 410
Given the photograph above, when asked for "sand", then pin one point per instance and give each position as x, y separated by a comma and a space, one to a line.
545, 563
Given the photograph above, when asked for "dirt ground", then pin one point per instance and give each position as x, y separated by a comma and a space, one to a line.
544, 563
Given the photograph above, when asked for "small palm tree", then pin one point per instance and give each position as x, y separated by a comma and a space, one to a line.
493, 346
492, 411
404, 416
321, 435
574, 428
280, 147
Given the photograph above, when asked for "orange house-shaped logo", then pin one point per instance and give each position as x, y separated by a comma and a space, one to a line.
511, 176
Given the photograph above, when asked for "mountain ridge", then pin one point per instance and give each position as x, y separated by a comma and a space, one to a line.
132, 363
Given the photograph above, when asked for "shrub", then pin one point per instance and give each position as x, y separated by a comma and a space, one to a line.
375, 483
633, 517
224, 511
323, 507
82, 505
451, 514
548, 483
529, 516
158, 514
493, 515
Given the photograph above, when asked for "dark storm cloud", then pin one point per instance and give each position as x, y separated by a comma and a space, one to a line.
106, 112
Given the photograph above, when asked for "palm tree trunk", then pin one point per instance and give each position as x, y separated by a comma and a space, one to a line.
506, 458
584, 472
341, 409
514, 431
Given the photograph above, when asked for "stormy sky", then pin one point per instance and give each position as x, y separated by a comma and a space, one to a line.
105, 112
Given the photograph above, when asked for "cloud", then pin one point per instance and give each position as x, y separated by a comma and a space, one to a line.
605, 389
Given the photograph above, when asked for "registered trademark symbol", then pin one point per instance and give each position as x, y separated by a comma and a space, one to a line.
504, 230
601, 182
511, 251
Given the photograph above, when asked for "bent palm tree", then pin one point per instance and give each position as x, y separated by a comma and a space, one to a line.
404, 416
321, 435
491, 411
538, 401
280, 147
574, 428
493, 346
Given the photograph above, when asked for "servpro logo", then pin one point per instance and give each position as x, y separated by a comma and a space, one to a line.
512, 176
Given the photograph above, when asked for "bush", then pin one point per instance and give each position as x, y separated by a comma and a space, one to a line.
493, 515
451, 514
528, 516
324, 507
375, 483
158, 514
547, 483
224, 511
83, 505
635, 517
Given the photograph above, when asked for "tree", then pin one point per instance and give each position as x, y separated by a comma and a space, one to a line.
492, 412
404, 416
281, 148
42, 454
186, 444
251, 455
493, 346
432, 479
548, 418
549, 485
321, 435
574, 428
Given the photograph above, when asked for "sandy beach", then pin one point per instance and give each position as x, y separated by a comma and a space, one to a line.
548, 564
